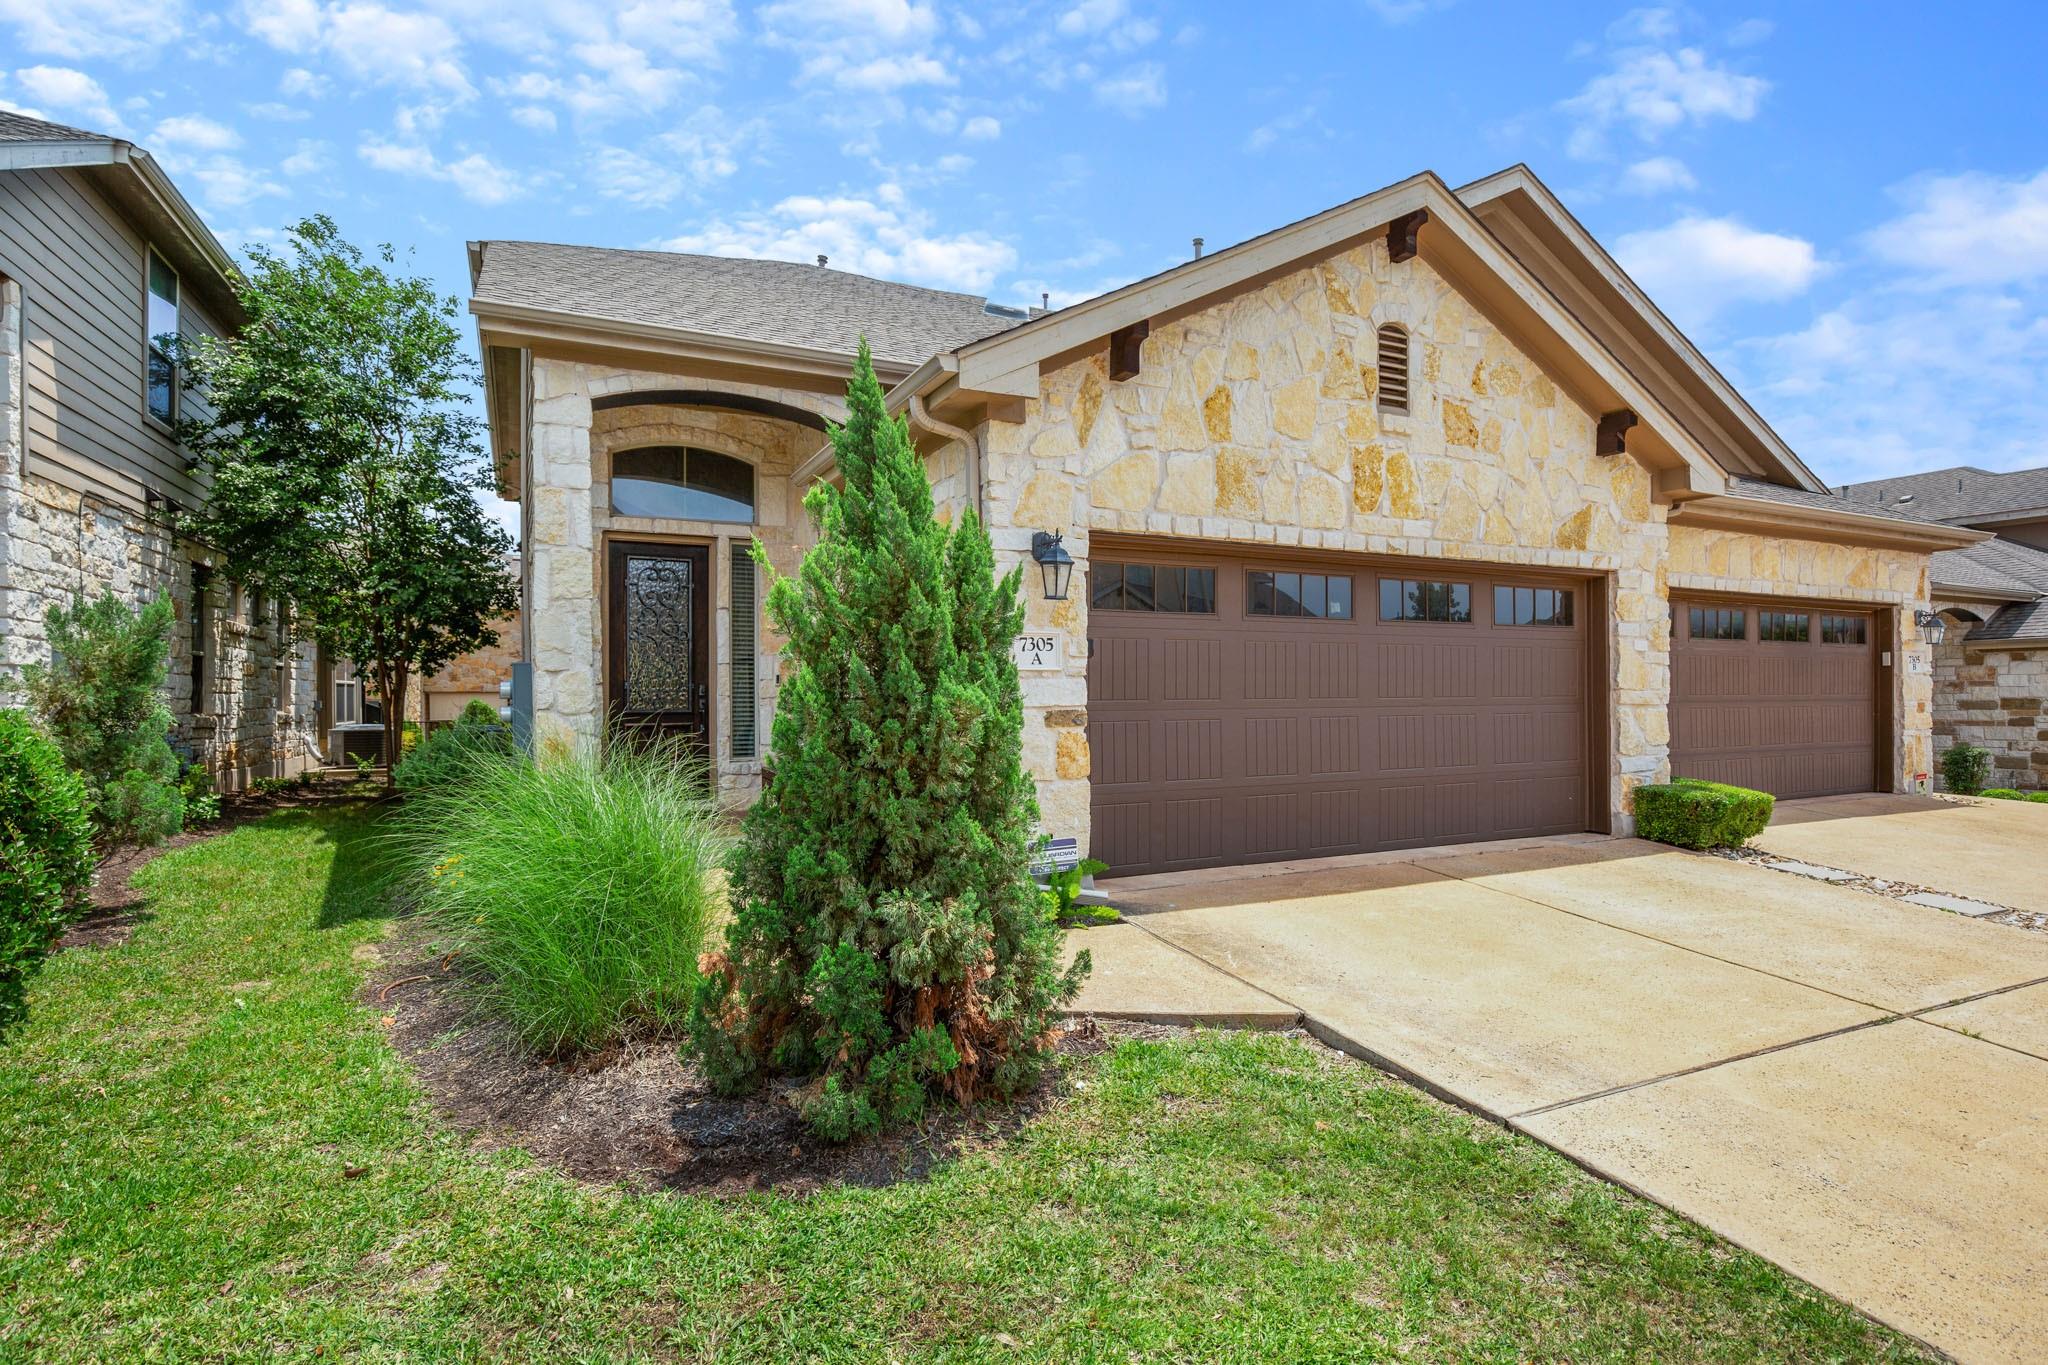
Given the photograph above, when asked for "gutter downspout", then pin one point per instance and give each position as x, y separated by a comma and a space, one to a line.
923, 417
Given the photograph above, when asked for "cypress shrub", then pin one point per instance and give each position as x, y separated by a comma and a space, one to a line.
887, 943
102, 697
1693, 813
46, 857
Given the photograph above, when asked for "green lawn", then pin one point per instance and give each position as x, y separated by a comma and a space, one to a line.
176, 1118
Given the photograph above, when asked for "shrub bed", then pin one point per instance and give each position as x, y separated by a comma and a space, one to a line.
1693, 813
46, 856
2003, 794
1965, 769
450, 754
579, 890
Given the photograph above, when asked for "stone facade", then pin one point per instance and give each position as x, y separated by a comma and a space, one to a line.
569, 520
1994, 698
1256, 421
475, 675
256, 717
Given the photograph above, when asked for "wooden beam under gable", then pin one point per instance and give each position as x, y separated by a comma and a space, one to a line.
1404, 236
1127, 349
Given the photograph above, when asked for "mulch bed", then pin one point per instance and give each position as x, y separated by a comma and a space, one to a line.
641, 1117
117, 907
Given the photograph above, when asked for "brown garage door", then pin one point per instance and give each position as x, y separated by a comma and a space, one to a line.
1246, 710
1776, 696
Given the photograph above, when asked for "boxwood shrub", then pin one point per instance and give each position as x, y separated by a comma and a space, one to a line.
1693, 813
46, 858
2003, 794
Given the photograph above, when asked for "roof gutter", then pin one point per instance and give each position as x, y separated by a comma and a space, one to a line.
1726, 511
908, 394
1977, 592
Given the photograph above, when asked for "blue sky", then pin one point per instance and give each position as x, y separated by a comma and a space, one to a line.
1845, 206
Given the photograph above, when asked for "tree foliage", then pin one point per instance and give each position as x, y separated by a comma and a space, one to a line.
344, 460
102, 697
887, 941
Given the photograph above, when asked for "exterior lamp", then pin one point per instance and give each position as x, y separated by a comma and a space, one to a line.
1054, 562
1932, 627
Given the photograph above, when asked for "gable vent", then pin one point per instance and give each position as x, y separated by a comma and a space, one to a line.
1394, 368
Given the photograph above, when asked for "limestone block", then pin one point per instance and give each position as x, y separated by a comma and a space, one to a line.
1056, 444
1216, 414
1071, 756
1047, 500
1294, 409
1128, 484
1322, 501
1458, 517
1237, 482
1402, 487
1190, 488
1572, 532
1241, 362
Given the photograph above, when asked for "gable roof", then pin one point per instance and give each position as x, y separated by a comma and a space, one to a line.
1961, 493
137, 185
777, 303
1998, 568
1520, 210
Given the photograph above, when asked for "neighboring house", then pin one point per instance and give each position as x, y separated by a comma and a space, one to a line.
1409, 523
1991, 672
100, 255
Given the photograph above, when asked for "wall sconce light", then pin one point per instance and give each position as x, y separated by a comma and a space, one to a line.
1932, 628
1053, 562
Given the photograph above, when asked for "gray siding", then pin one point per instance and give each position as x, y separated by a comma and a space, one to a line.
81, 267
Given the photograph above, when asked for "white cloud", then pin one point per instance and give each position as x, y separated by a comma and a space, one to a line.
638, 180
872, 46
225, 182
982, 128
272, 111
476, 177
1090, 16
288, 25
1650, 92
1402, 11
1270, 132
1697, 265
72, 94
1893, 382
1968, 229
1135, 89
119, 29
310, 157
876, 234
1658, 175
299, 81
413, 49
193, 133
535, 117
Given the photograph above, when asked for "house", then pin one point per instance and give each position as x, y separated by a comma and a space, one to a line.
99, 256
1409, 523
1991, 669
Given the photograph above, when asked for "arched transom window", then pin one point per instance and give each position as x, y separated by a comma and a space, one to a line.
681, 483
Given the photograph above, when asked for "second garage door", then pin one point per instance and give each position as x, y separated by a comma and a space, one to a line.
1777, 696
1245, 710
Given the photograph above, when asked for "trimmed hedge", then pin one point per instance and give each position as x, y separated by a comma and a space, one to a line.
1965, 769
2037, 796
46, 857
2003, 794
1693, 813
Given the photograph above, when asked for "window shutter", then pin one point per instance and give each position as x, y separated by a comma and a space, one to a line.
1393, 368
745, 702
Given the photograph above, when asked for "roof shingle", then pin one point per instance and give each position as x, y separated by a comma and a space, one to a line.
18, 127
776, 302
1956, 494
2003, 566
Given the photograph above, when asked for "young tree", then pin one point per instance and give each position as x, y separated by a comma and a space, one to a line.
887, 940
344, 461
102, 697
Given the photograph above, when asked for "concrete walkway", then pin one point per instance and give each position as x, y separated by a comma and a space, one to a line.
1995, 851
1854, 1087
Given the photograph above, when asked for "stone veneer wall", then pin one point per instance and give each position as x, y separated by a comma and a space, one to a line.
570, 515
1994, 698
477, 673
1256, 421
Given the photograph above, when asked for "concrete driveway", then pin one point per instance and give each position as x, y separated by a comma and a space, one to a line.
1854, 1087
1983, 850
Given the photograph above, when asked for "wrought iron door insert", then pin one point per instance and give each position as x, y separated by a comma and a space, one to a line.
659, 628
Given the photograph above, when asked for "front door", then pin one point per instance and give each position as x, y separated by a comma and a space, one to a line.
659, 627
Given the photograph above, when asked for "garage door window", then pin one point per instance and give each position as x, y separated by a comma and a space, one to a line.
1531, 606
1409, 599
1717, 623
1843, 630
1784, 627
1321, 596
1152, 587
